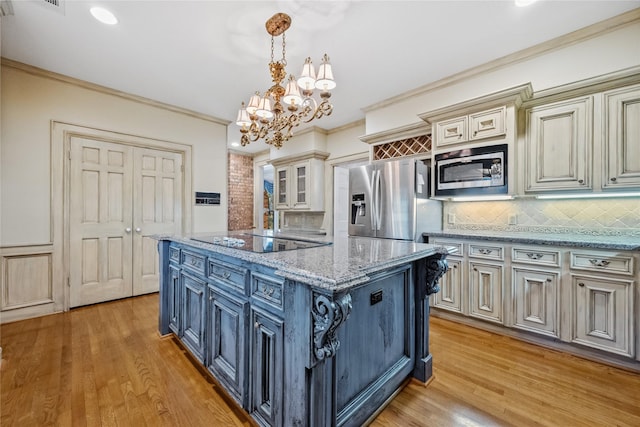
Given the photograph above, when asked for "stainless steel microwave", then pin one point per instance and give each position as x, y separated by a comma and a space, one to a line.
472, 171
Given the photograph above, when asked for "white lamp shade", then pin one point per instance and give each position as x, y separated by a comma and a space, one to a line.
264, 108
308, 76
292, 94
254, 103
325, 75
243, 117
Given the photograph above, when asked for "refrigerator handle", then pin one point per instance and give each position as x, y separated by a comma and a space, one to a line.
372, 214
378, 210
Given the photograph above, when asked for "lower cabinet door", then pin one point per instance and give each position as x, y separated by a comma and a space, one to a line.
267, 368
227, 339
603, 313
536, 300
174, 300
450, 295
485, 291
193, 315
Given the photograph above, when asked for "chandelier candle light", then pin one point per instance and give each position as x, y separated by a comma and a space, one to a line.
264, 116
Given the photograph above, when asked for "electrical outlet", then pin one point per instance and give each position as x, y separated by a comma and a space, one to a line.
513, 219
451, 218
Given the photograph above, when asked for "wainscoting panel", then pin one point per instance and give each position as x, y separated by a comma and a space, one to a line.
26, 284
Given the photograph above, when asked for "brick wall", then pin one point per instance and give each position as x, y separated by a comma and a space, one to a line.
240, 192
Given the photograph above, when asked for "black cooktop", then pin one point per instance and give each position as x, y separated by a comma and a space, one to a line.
259, 242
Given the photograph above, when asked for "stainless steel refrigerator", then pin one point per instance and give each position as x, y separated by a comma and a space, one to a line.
391, 200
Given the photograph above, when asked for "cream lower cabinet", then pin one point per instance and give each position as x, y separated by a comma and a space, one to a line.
486, 281
485, 291
451, 293
584, 297
602, 301
535, 278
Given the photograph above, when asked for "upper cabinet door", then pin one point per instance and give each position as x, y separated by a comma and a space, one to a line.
452, 131
622, 145
559, 143
281, 187
486, 124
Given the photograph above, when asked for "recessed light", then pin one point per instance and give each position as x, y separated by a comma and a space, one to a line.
523, 3
103, 15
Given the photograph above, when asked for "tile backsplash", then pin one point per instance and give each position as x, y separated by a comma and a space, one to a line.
615, 216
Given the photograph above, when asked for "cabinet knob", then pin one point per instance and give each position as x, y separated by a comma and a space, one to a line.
581, 284
549, 279
257, 325
475, 269
138, 229
581, 181
127, 230
614, 179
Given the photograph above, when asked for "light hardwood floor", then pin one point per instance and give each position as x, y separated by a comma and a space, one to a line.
106, 365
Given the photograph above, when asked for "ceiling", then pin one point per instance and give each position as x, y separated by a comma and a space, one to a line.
208, 56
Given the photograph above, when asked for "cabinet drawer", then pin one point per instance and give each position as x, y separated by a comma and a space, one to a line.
266, 289
486, 251
487, 123
229, 274
449, 244
451, 131
617, 264
193, 261
536, 256
174, 254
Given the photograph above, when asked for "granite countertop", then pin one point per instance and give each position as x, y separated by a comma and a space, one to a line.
584, 241
346, 262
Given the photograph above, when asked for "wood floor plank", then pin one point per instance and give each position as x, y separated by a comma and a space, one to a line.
106, 365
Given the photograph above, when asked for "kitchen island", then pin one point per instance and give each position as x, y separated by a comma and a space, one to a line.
302, 333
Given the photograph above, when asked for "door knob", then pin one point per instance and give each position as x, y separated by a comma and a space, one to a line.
138, 229
127, 230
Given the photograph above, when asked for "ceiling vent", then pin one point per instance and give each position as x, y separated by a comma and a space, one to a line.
57, 5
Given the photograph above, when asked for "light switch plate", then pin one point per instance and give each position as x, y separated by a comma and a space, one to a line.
513, 219
451, 218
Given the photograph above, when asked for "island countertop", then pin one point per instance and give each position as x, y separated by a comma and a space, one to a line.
345, 262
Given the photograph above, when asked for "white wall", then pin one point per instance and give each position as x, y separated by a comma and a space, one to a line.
572, 60
31, 101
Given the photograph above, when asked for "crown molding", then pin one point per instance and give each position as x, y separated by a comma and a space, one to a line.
595, 30
512, 96
312, 154
40, 72
395, 134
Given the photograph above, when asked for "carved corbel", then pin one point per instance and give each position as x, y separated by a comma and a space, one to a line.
436, 267
328, 315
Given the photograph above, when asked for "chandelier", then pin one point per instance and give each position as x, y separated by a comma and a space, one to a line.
264, 117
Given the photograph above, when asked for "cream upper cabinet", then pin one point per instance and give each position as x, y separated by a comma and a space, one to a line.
475, 126
558, 146
622, 138
299, 182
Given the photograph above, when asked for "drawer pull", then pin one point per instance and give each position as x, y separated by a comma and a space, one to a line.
485, 251
581, 284
531, 255
225, 275
599, 262
194, 261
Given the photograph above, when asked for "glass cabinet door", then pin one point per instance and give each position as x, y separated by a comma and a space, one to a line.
282, 187
301, 181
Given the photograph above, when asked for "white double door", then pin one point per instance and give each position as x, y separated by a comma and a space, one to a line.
119, 196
